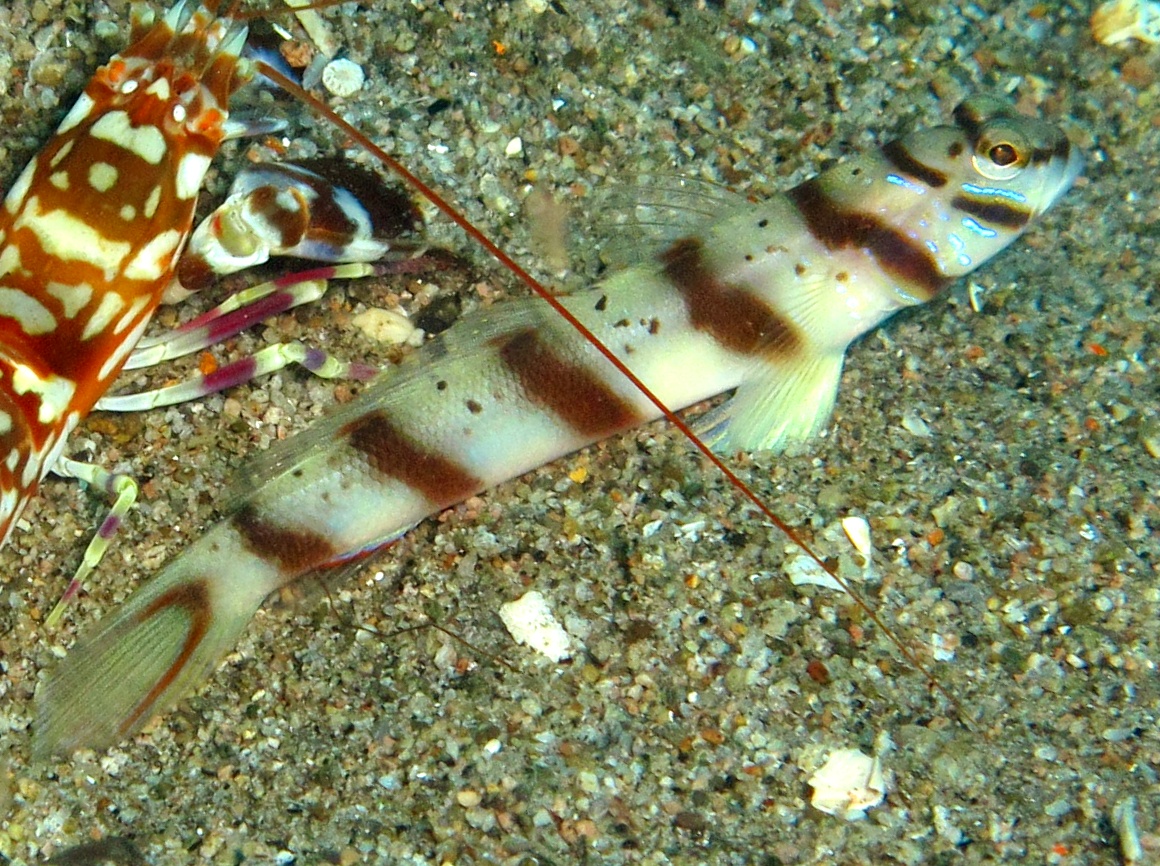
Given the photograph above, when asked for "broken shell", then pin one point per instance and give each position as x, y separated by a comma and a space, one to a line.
1121, 20
848, 784
858, 531
530, 621
387, 326
802, 570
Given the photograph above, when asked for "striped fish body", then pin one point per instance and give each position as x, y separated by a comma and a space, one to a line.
764, 299
91, 231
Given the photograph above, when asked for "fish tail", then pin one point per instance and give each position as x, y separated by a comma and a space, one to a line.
143, 658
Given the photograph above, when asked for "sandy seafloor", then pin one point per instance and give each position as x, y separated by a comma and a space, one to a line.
1021, 528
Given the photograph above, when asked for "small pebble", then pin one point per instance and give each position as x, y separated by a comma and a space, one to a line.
1150, 439
468, 799
1124, 817
914, 425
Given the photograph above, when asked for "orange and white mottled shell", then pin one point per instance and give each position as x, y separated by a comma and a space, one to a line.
92, 229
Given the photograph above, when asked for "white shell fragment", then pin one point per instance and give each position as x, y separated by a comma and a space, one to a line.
857, 529
388, 327
343, 77
1124, 817
1121, 20
530, 621
316, 27
802, 570
848, 784
913, 424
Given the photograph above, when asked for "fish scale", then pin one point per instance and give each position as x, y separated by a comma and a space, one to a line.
764, 298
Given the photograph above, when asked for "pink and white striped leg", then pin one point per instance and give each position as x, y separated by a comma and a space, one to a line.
124, 490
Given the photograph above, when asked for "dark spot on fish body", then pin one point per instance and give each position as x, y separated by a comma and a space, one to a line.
473, 407
731, 315
601, 304
955, 150
441, 385
968, 119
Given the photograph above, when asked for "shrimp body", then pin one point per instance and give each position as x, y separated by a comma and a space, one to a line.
93, 227
765, 298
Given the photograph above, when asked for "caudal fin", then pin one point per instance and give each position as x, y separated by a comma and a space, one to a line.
143, 658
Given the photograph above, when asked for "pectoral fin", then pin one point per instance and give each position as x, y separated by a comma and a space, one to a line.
780, 404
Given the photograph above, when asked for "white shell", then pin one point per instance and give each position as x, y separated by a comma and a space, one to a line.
530, 621
802, 570
857, 529
848, 784
343, 77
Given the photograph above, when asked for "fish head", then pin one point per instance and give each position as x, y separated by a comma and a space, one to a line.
1000, 171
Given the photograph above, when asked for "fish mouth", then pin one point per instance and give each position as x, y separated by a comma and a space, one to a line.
1069, 171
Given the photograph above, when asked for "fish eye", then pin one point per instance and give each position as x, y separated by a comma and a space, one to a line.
1003, 154
1000, 153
